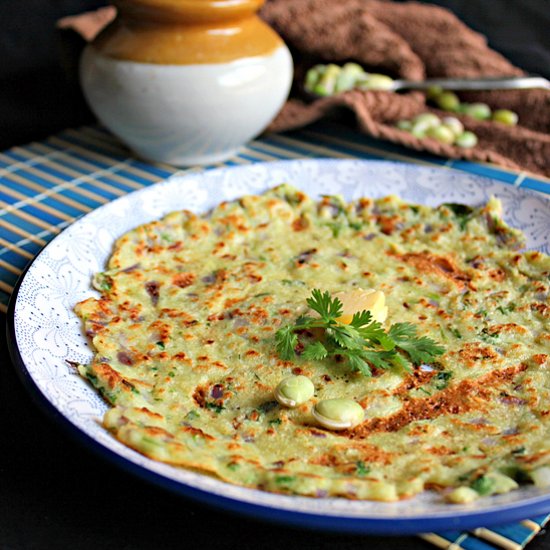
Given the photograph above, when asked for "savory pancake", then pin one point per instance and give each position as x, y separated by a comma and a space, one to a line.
186, 349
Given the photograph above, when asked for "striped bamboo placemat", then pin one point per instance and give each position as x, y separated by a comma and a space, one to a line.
45, 186
513, 536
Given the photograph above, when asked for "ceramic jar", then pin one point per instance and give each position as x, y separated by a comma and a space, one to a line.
186, 81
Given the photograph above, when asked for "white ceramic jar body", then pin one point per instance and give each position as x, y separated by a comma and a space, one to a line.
186, 114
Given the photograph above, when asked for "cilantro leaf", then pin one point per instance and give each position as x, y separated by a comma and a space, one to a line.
420, 349
374, 333
402, 331
379, 359
399, 361
345, 336
286, 341
315, 351
328, 308
305, 320
363, 343
361, 318
356, 361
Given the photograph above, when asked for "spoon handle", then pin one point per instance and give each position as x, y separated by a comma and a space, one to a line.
501, 83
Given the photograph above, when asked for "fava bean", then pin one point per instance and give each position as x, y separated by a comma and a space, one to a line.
404, 125
294, 390
418, 131
453, 124
429, 119
505, 116
373, 81
466, 139
481, 111
327, 83
441, 134
433, 91
448, 101
449, 130
312, 77
350, 74
422, 123
338, 414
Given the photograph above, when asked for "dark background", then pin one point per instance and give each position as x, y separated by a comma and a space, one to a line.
55, 494
39, 92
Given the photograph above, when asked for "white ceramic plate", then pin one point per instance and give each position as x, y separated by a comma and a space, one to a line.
45, 332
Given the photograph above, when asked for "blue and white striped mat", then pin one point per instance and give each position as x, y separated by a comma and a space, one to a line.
45, 186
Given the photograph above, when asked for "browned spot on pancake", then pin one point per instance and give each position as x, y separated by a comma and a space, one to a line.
262, 387
366, 452
442, 266
196, 431
498, 274
299, 224
534, 457
108, 374
415, 380
126, 385
419, 429
94, 328
477, 425
257, 315
162, 329
466, 396
182, 317
236, 221
151, 414
543, 309
440, 450
472, 352
183, 279
540, 358
133, 310
156, 431
178, 245
232, 301
218, 247
388, 224
104, 306
251, 274
199, 396
508, 327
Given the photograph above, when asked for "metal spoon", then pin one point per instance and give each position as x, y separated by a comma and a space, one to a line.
498, 83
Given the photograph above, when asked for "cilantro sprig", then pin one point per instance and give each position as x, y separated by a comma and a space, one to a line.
364, 342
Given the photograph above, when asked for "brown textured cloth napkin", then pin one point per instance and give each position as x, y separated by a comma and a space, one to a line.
414, 41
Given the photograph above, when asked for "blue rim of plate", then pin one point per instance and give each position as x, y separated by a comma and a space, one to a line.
357, 525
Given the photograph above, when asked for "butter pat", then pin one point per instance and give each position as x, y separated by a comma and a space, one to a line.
358, 299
